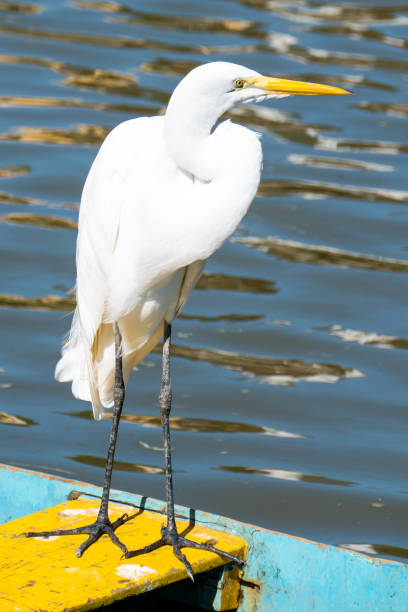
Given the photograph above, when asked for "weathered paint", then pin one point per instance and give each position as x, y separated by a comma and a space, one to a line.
24, 491
45, 574
282, 573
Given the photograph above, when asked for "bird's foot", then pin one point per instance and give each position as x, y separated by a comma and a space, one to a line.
102, 526
171, 537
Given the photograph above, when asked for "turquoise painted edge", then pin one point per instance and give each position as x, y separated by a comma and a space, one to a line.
283, 573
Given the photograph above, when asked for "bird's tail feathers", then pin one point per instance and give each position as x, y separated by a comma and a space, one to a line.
76, 365
91, 369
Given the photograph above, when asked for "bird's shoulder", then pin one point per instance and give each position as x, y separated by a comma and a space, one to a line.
138, 125
239, 133
126, 156
242, 144
135, 136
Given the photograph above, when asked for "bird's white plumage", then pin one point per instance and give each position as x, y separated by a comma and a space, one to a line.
162, 195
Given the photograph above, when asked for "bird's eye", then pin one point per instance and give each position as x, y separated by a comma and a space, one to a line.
238, 83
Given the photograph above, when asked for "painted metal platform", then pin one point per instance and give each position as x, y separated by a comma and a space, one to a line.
45, 574
282, 573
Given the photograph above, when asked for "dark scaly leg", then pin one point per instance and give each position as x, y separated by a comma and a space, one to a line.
102, 524
169, 532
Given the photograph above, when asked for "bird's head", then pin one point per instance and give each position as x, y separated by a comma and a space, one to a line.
217, 86
209, 90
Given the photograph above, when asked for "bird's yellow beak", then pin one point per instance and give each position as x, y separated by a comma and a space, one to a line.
285, 86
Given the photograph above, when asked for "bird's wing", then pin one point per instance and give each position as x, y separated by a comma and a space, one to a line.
111, 186
191, 275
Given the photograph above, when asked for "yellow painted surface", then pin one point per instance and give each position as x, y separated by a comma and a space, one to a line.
38, 574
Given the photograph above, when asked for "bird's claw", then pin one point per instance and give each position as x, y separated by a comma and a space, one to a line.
94, 531
172, 538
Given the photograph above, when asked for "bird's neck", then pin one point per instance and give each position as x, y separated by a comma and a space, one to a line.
188, 137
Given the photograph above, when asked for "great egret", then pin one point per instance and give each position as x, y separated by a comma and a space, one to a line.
162, 195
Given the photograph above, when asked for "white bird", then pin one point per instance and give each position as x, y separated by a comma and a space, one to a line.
162, 195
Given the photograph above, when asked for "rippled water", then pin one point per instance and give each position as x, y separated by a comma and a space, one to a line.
289, 366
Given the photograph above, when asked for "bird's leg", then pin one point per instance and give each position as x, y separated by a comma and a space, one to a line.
102, 525
169, 532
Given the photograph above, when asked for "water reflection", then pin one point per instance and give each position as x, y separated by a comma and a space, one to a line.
370, 14
231, 318
122, 466
305, 11
13, 419
89, 135
362, 337
103, 81
195, 424
323, 255
88, 39
15, 7
98, 79
338, 162
268, 370
170, 67
8, 198
121, 42
176, 22
279, 123
226, 282
14, 171
50, 302
394, 110
324, 56
377, 549
358, 31
18, 101
39, 221
287, 475
311, 189
380, 147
